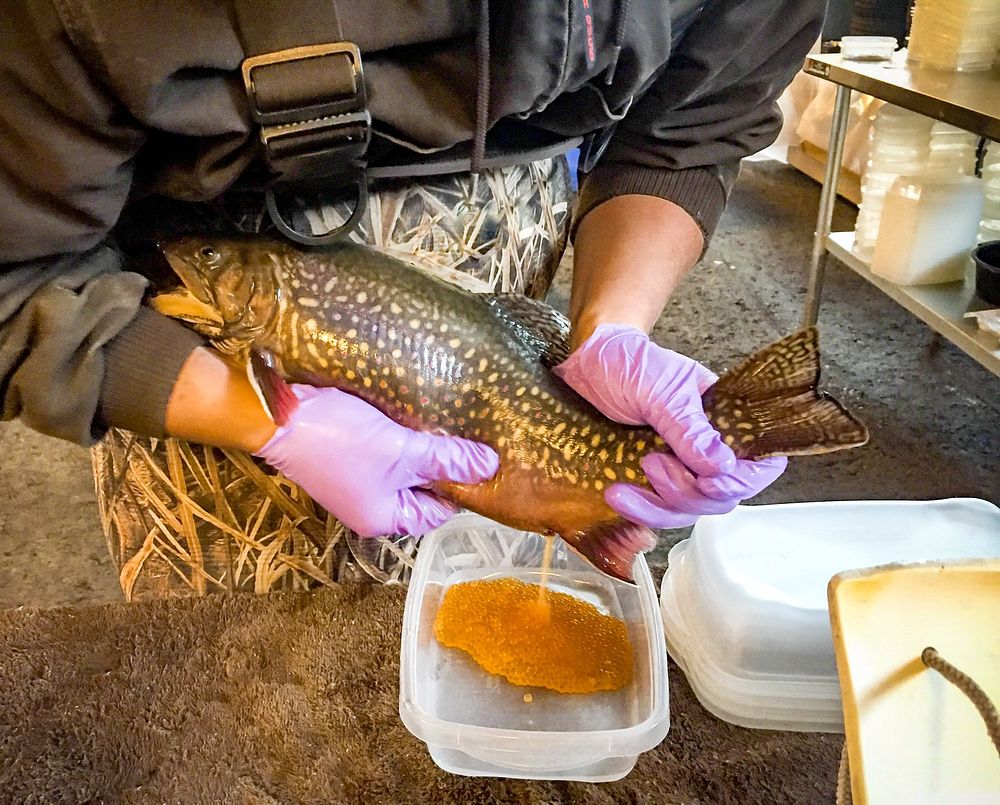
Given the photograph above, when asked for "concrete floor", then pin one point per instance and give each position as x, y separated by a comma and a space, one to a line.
933, 412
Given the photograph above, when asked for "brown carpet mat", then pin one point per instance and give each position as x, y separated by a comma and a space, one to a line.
293, 698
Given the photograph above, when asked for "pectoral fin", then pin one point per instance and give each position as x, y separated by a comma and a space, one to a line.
273, 392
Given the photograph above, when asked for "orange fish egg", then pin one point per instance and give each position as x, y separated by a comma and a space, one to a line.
557, 642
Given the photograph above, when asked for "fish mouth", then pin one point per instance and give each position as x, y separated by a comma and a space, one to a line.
177, 299
181, 304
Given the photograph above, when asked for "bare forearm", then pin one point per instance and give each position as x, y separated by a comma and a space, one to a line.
214, 403
630, 254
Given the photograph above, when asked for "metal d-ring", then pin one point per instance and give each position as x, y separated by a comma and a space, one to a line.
333, 236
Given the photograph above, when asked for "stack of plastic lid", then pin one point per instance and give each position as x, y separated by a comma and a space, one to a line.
899, 145
955, 34
952, 150
989, 227
744, 599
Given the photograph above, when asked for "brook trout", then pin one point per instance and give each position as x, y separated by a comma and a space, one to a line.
435, 357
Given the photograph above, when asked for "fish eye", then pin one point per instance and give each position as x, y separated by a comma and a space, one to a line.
209, 253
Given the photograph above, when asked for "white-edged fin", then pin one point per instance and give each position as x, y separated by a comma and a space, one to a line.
611, 546
270, 387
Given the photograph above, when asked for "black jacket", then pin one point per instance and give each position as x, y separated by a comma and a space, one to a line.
102, 101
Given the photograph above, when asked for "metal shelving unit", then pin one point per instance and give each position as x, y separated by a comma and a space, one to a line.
941, 307
968, 100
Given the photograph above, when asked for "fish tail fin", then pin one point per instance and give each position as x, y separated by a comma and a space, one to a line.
769, 404
612, 545
273, 392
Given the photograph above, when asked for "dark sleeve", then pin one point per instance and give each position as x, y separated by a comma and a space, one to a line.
714, 103
78, 352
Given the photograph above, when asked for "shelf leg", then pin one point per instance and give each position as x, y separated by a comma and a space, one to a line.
828, 196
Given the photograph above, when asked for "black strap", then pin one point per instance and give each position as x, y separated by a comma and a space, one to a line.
306, 89
270, 25
307, 93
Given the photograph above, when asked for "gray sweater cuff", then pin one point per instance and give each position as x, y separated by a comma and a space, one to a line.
699, 191
142, 364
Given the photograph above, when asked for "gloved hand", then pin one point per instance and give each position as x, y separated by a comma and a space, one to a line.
365, 469
631, 380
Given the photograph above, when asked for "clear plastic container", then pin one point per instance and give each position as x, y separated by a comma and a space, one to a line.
952, 150
744, 599
928, 228
478, 724
867, 48
989, 226
899, 144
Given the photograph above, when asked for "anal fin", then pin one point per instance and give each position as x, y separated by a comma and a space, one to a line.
612, 545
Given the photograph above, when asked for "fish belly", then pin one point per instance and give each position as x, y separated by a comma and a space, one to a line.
522, 500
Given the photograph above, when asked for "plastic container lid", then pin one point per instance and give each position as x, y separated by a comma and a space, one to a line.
478, 724
892, 118
744, 598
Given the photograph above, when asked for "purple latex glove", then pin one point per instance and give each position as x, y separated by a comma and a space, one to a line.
365, 469
631, 380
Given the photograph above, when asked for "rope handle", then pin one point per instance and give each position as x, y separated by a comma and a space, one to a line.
965, 683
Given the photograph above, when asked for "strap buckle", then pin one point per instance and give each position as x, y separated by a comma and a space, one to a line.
311, 105
340, 233
594, 146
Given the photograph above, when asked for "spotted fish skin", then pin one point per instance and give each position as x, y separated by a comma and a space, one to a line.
434, 357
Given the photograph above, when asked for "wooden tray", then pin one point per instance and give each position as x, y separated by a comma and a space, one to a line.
912, 736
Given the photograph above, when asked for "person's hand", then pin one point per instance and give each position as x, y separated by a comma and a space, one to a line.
367, 470
631, 380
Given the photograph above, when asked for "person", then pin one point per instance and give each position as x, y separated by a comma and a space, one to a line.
106, 104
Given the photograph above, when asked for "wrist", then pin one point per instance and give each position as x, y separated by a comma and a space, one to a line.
257, 436
213, 403
590, 321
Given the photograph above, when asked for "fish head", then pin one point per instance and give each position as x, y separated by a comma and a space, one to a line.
227, 287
